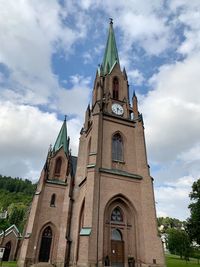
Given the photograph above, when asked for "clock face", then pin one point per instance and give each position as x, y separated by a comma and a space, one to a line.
117, 109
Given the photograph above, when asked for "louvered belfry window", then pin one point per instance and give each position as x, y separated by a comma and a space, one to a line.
115, 88
117, 147
58, 166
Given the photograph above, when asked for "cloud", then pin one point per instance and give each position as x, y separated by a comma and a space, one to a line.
75, 99
173, 198
172, 110
135, 77
187, 14
28, 40
142, 23
26, 133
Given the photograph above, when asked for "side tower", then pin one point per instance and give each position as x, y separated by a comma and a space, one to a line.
46, 236
114, 218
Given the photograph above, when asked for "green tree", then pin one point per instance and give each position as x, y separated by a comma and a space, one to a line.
178, 242
15, 197
193, 223
168, 223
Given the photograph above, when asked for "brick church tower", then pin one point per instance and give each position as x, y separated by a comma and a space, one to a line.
104, 215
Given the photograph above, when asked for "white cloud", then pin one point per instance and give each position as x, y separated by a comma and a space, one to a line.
173, 198
25, 136
187, 14
73, 100
30, 33
172, 110
135, 77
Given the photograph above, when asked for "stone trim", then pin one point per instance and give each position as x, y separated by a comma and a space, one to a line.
56, 182
121, 173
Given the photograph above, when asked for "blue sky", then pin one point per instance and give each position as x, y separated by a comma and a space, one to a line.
49, 53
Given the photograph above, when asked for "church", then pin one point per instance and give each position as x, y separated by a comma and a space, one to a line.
97, 209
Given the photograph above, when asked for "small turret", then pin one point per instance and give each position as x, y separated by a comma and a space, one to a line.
135, 105
125, 74
87, 118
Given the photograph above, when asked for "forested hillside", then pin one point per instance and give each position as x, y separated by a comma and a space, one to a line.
15, 197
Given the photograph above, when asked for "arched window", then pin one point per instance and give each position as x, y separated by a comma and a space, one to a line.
115, 88
116, 235
117, 147
89, 150
45, 246
53, 200
116, 215
58, 166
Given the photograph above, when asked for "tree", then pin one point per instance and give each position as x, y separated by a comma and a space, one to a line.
178, 242
193, 224
15, 197
16, 215
165, 223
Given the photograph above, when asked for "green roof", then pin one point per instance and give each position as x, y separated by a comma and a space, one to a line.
111, 54
62, 139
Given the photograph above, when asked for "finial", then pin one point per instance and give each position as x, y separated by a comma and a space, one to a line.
111, 20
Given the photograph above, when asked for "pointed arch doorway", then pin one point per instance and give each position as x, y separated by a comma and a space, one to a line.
45, 246
120, 232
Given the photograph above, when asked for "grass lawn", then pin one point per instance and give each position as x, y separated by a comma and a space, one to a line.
171, 260
9, 264
175, 261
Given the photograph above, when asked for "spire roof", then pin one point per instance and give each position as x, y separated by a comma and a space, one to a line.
111, 53
62, 139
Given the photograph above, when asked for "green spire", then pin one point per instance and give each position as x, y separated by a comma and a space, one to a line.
62, 139
111, 54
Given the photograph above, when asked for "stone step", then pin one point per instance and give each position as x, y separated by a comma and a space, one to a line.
42, 264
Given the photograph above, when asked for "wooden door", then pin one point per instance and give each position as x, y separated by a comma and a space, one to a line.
117, 253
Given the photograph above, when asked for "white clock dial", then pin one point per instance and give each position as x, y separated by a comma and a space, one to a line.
117, 109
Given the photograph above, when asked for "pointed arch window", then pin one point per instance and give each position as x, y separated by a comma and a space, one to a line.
89, 150
117, 147
53, 200
116, 215
58, 167
116, 88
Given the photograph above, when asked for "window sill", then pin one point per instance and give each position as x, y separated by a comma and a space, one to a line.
118, 161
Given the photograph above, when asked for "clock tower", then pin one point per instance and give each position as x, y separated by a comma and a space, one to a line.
114, 218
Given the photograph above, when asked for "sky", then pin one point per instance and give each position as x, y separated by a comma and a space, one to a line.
49, 54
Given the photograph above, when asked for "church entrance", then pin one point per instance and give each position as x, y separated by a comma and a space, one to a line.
117, 249
45, 246
7, 251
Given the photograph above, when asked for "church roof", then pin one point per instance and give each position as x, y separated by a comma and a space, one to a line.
62, 139
111, 53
